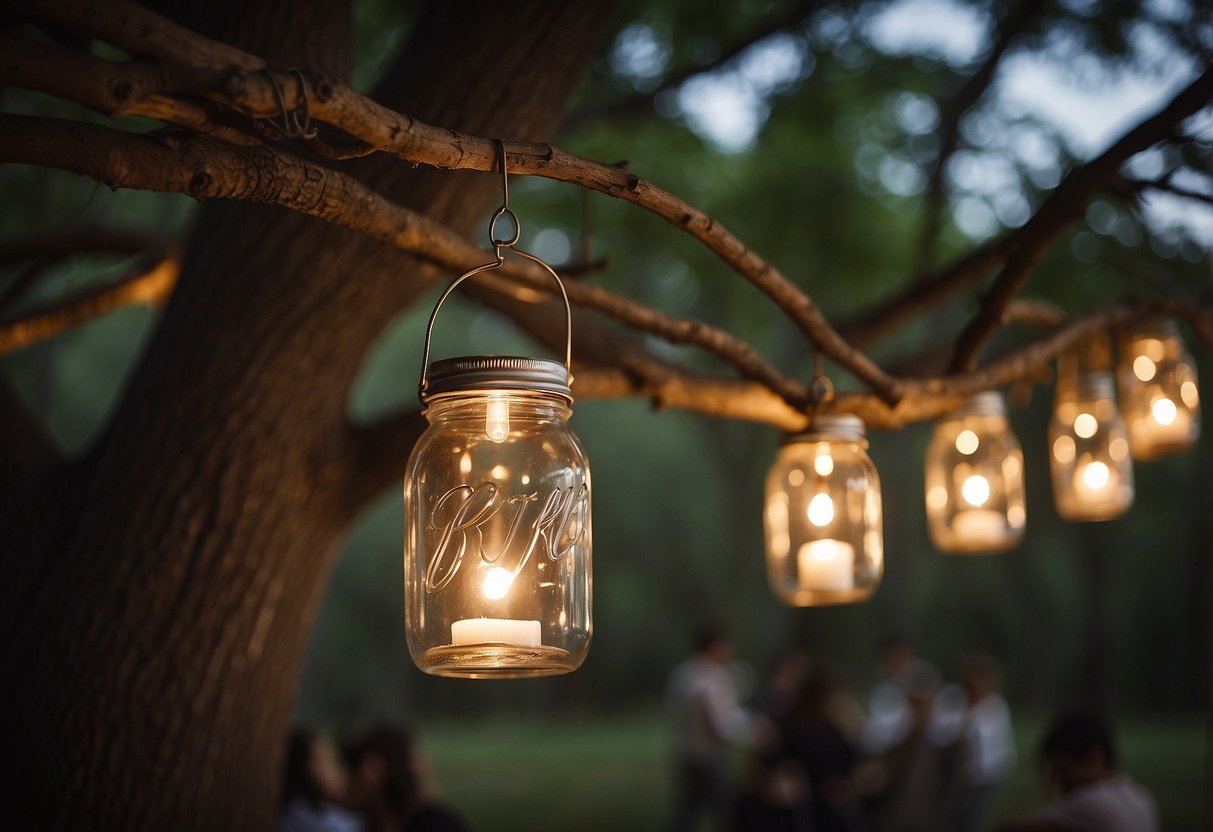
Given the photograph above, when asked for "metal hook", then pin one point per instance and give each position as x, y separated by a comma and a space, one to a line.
291, 127
504, 209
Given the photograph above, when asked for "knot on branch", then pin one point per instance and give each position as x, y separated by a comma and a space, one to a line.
200, 183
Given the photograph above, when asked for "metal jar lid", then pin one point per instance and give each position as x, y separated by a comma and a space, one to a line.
496, 372
843, 426
1096, 386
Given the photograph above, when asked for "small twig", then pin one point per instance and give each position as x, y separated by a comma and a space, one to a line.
151, 287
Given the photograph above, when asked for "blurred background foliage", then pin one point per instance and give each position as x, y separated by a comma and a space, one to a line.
815, 146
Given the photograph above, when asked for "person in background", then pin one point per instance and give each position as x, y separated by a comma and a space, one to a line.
708, 719
890, 716
389, 783
985, 749
313, 783
824, 753
1080, 759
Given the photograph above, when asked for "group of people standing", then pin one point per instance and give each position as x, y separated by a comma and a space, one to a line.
922, 755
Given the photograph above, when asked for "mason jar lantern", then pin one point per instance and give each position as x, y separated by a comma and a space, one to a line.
497, 580
824, 543
1159, 397
974, 480
1089, 451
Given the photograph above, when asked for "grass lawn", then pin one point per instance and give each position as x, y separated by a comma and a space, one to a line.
611, 772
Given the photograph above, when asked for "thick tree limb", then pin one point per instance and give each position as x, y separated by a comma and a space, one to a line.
1066, 204
204, 168
249, 89
147, 286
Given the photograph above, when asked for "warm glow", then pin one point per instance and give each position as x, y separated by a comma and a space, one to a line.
1164, 411
1118, 448
1188, 392
795, 477
1152, 348
976, 490
465, 463
497, 419
1016, 515
821, 510
497, 583
824, 465
967, 442
937, 497
1095, 475
1063, 449
500, 472
1144, 368
1085, 425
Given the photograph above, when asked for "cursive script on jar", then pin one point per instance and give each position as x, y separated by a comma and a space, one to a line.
460, 516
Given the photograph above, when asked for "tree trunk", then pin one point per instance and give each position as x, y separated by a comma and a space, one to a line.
159, 667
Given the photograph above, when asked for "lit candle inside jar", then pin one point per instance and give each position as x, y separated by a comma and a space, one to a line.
1169, 423
827, 565
1095, 481
496, 631
980, 527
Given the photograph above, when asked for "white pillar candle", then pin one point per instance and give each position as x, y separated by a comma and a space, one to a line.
979, 527
496, 630
826, 565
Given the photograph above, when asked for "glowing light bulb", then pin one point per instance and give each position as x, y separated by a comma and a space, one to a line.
821, 510
1095, 476
497, 583
976, 490
823, 465
1164, 411
967, 442
1144, 368
1085, 425
497, 419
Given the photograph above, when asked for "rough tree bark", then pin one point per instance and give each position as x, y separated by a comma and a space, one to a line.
156, 669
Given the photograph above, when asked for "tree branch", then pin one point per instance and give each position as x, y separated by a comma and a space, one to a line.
1065, 205
249, 89
949, 133
205, 168
148, 286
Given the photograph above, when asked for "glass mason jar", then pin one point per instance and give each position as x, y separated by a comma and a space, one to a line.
974, 480
824, 543
1089, 458
497, 579
1158, 392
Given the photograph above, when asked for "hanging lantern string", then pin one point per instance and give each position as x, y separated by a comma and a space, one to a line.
500, 243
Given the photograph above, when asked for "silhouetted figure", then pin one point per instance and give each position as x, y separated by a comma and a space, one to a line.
1080, 759
313, 784
708, 720
985, 748
817, 744
915, 797
389, 783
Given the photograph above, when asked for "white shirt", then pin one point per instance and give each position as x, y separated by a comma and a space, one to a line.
987, 743
1116, 804
706, 710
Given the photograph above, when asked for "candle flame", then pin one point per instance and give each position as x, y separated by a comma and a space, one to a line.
497, 583
821, 510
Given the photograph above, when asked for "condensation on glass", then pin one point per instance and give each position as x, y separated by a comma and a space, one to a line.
497, 575
974, 480
824, 540
1089, 451
1159, 396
